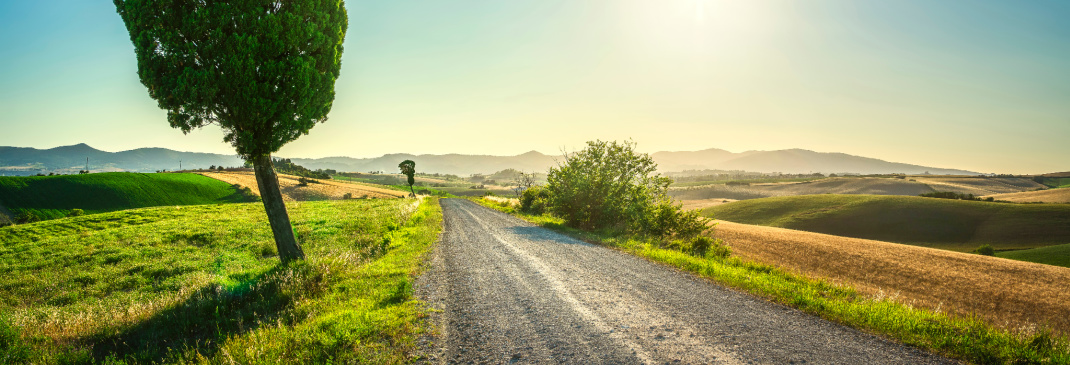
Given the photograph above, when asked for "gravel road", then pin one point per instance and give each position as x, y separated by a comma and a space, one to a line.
506, 291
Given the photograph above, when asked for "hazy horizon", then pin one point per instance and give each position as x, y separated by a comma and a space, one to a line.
973, 85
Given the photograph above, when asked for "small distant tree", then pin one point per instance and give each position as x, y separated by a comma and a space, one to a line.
408, 168
264, 71
211, 167
522, 183
220, 168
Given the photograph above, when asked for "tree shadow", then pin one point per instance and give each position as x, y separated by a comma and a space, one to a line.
544, 234
203, 322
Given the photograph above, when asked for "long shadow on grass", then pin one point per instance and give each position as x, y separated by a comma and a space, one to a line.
207, 318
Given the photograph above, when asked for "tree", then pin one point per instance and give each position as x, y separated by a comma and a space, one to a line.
409, 169
263, 70
522, 183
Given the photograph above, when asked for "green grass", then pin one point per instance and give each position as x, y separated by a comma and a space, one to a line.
968, 339
1058, 255
54, 196
1055, 182
203, 284
940, 223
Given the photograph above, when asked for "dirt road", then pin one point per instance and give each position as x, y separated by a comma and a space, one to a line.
510, 292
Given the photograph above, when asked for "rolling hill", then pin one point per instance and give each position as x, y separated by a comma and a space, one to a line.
907, 186
940, 223
793, 161
52, 197
70, 159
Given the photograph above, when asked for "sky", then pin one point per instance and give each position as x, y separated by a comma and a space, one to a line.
970, 84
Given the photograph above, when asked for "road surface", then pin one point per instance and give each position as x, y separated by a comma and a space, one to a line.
509, 292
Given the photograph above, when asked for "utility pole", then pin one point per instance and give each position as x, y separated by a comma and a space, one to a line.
87, 164
179, 165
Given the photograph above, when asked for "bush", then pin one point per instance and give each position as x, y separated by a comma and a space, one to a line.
76, 212
534, 200
27, 217
667, 220
347, 196
704, 246
604, 185
986, 250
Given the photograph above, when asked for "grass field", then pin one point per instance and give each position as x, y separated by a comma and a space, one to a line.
203, 284
906, 186
1058, 255
1060, 195
940, 223
967, 338
324, 189
54, 196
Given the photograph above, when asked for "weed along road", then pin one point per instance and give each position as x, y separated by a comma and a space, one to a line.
506, 291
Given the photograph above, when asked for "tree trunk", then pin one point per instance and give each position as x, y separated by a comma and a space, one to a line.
270, 193
413, 191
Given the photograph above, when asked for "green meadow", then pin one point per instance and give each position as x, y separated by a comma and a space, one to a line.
203, 284
51, 197
940, 223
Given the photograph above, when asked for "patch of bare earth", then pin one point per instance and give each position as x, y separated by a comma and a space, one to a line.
1007, 293
293, 191
1040, 196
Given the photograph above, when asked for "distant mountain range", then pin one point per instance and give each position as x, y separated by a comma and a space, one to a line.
70, 159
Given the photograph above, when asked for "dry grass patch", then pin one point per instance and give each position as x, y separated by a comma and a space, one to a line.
1040, 196
1011, 294
703, 203
293, 191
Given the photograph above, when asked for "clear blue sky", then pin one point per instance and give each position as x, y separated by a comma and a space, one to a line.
971, 84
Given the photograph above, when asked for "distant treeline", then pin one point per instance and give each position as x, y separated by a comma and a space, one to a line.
955, 196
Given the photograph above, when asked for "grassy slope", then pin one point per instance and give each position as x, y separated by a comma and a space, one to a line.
54, 196
202, 284
967, 339
1058, 255
941, 223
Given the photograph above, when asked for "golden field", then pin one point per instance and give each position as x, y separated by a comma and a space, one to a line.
291, 191
1010, 294
1041, 196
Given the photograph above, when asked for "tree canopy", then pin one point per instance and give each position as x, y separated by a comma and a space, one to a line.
263, 70
408, 167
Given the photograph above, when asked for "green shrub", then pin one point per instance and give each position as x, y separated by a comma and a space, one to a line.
705, 246
347, 196
76, 212
985, 249
667, 220
534, 200
27, 217
606, 184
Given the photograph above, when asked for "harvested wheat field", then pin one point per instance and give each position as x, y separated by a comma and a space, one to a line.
909, 186
703, 203
1010, 294
979, 185
1040, 196
324, 190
